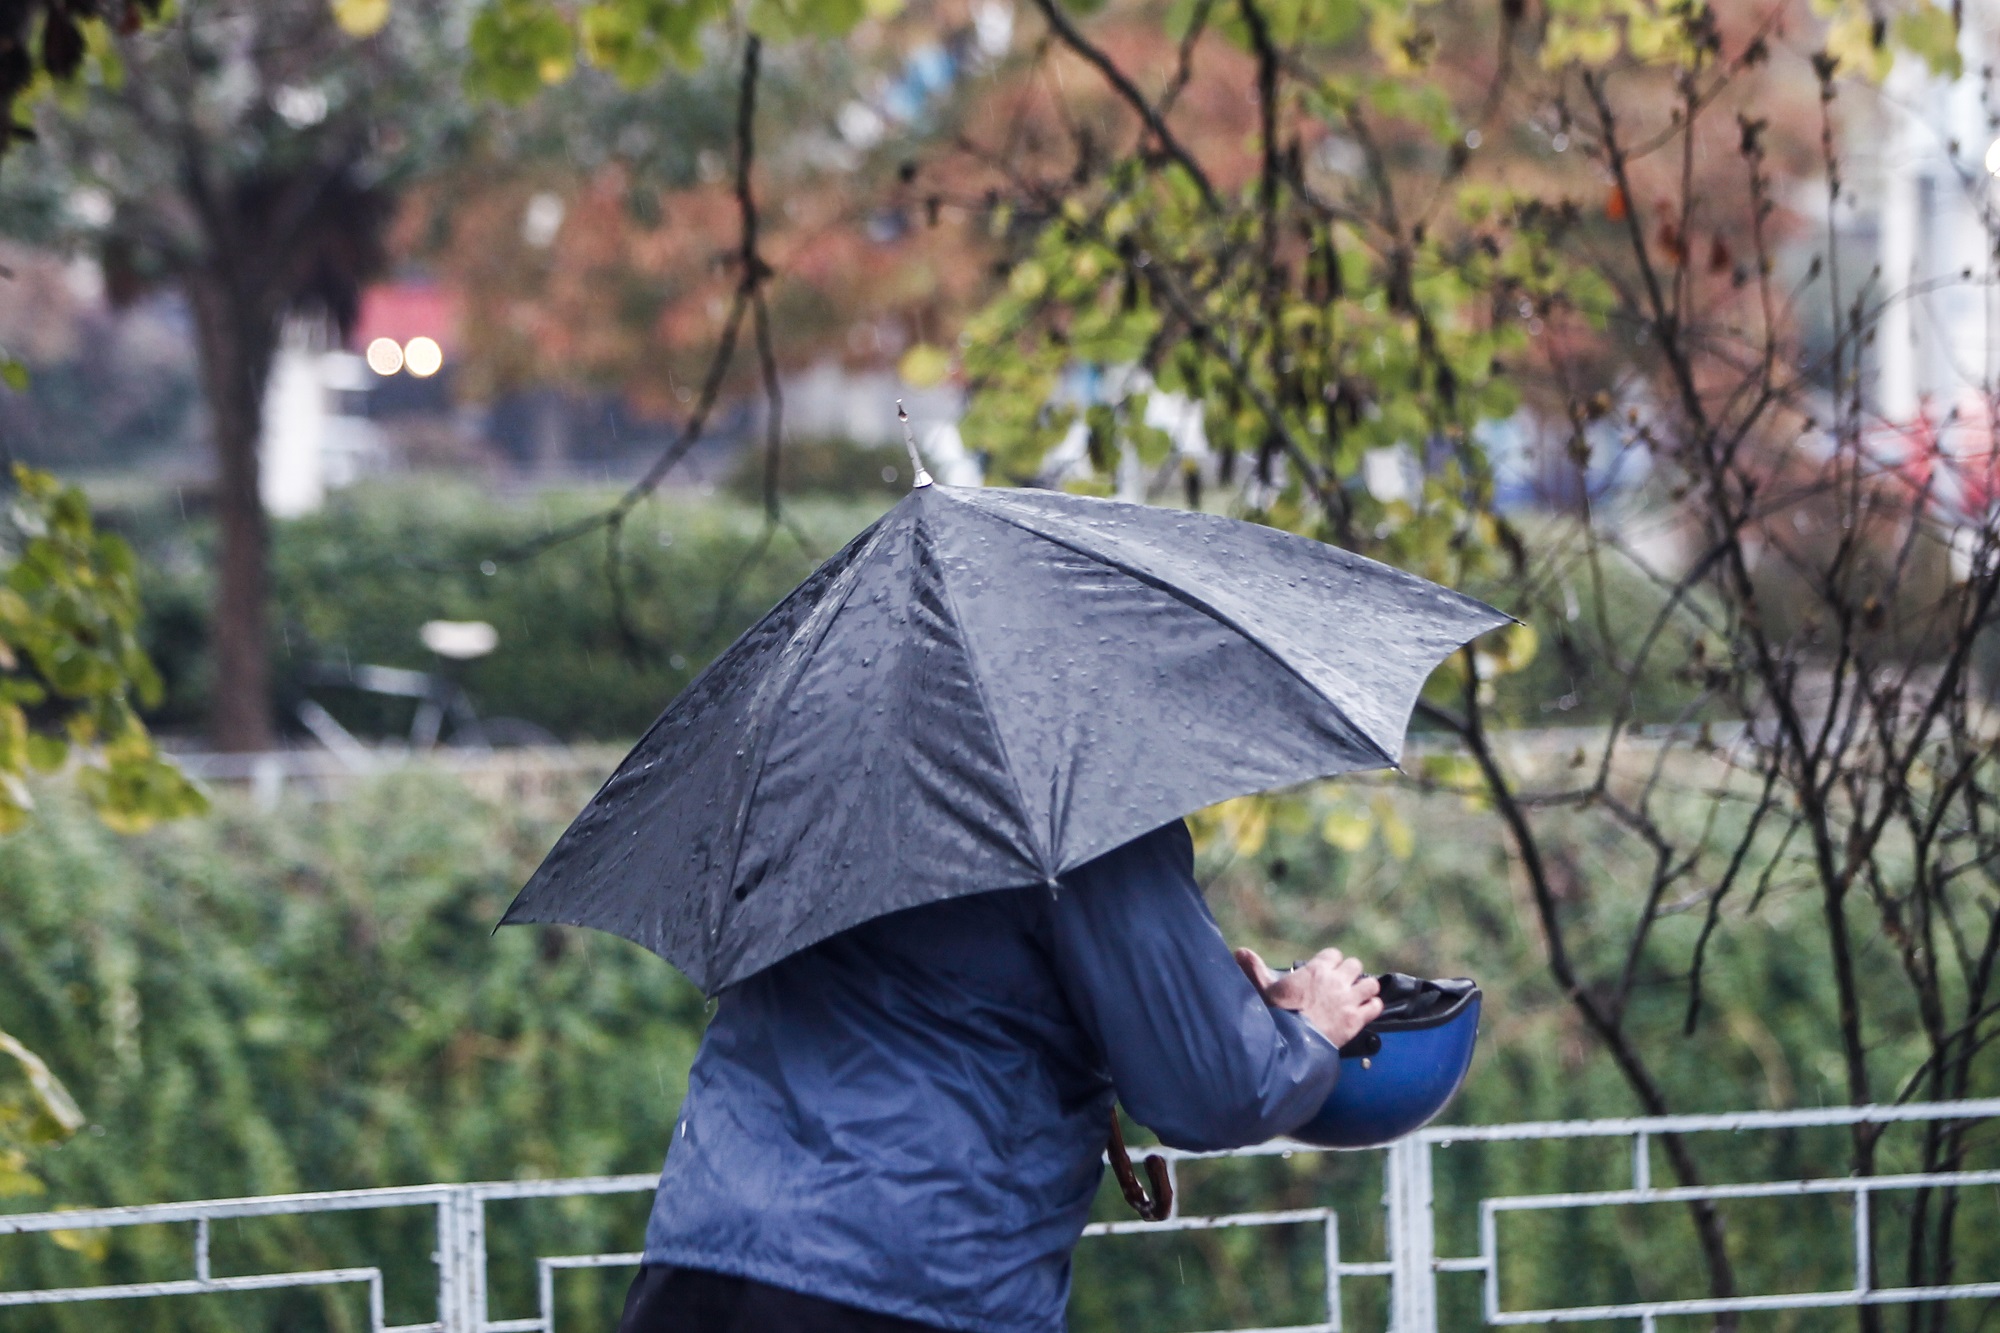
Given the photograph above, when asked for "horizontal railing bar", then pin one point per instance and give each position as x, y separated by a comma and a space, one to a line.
1444, 1136
533, 1324
1365, 1268
1286, 1328
269, 1205
326, 1201
326, 1277
1811, 1300
1272, 1219
548, 1189
592, 1260
1275, 1148
1763, 1189
1471, 1264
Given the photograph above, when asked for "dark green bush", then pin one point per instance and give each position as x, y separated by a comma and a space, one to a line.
311, 999
828, 467
353, 582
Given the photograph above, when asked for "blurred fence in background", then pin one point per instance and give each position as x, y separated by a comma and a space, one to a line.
1417, 1223
319, 772
509, 773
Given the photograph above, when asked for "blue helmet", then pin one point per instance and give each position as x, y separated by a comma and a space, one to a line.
1403, 1068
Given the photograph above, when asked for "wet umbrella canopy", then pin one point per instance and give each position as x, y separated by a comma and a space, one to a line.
985, 689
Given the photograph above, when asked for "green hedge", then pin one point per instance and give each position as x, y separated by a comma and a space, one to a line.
353, 582
311, 998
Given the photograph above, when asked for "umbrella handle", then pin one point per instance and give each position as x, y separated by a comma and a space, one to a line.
1161, 1204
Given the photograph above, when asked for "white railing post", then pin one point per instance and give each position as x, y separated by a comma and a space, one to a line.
1412, 1237
446, 1258
461, 1260
475, 1263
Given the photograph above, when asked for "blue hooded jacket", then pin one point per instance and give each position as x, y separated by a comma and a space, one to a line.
910, 1117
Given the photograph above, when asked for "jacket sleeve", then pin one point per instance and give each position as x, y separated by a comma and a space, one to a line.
1195, 1053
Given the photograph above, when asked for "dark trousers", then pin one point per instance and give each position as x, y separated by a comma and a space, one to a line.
664, 1299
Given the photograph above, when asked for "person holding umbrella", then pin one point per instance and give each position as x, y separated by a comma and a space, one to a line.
920, 830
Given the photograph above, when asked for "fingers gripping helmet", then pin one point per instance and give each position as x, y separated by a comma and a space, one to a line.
1403, 1068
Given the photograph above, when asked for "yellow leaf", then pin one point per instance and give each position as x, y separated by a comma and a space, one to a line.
1928, 31
90, 1243
882, 9
1650, 37
14, 1177
52, 1097
15, 793
1246, 823
1578, 43
1397, 834
553, 69
1851, 41
1347, 828
1028, 280
1397, 41
924, 365
360, 18
1513, 648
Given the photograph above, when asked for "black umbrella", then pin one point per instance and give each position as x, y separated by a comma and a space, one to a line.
985, 689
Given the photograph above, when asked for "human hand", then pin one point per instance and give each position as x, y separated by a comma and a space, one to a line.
1329, 990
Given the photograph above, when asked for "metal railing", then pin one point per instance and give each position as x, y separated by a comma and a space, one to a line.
1411, 1264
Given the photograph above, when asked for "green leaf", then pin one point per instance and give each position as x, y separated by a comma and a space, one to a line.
1929, 32
785, 20
52, 1099
14, 375
1397, 835
14, 1177
47, 753
517, 48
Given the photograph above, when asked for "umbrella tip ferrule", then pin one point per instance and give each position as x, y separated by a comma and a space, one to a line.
919, 478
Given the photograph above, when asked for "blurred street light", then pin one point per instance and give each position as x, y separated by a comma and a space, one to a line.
423, 357
385, 356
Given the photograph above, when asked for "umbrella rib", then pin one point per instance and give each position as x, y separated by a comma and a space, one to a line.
985, 705
1213, 612
850, 578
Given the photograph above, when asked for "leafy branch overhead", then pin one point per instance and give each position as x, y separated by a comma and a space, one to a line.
72, 670
520, 46
72, 673
35, 1109
44, 43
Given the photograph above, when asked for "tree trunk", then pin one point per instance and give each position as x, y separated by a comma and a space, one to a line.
236, 343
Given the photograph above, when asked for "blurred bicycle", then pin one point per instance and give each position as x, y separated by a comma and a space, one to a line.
444, 714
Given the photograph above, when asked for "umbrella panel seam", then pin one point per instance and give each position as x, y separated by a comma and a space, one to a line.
1042, 854
851, 578
1212, 612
